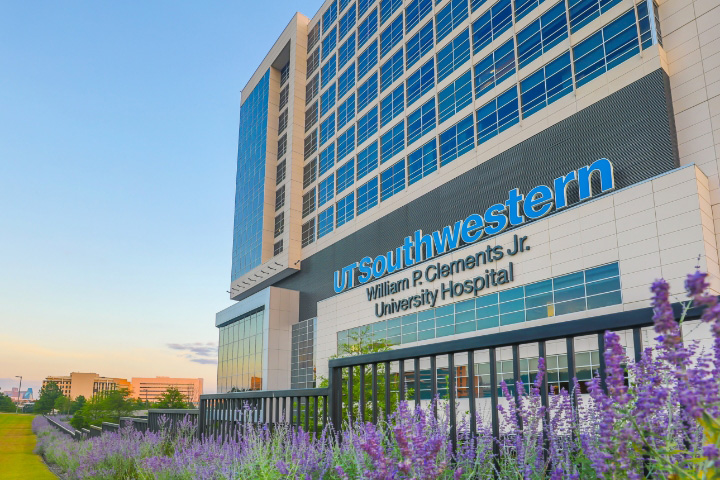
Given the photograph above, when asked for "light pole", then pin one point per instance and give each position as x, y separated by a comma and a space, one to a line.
19, 388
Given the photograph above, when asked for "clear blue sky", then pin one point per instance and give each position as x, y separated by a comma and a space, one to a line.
118, 143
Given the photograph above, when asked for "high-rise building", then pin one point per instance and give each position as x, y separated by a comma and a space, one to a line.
421, 170
86, 384
151, 389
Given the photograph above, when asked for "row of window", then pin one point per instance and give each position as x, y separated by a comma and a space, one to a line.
598, 53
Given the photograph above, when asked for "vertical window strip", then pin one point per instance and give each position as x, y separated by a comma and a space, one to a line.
345, 209
419, 44
542, 34
422, 162
451, 57
346, 112
345, 143
391, 70
327, 100
367, 92
327, 129
308, 232
345, 176
326, 190
387, 8
367, 28
367, 196
391, 36
455, 97
497, 115
421, 121
346, 52
392, 180
367, 160
326, 159
346, 81
456, 140
449, 18
325, 222
329, 43
495, 68
415, 12
392, 142
392, 105
367, 59
329, 16
420, 82
491, 24
347, 22
367, 125
545, 86
328, 71
363, 6
308, 205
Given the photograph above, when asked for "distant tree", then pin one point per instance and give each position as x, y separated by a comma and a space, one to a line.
77, 404
362, 343
103, 407
63, 404
48, 394
172, 398
6, 403
117, 403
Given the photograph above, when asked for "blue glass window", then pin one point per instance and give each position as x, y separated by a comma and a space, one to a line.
345, 175
548, 84
421, 121
420, 82
391, 36
523, 7
325, 222
345, 209
475, 4
449, 18
498, 115
416, 11
346, 81
367, 125
346, 111
644, 21
367, 196
367, 28
363, 6
329, 43
345, 143
328, 71
456, 140
326, 190
326, 160
392, 142
347, 22
491, 24
606, 48
387, 8
542, 34
583, 12
451, 57
343, 4
392, 180
391, 70
367, 59
496, 67
367, 160
455, 97
327, 100
329, 16
327, 129
422, 162
346, 51
367, 92
419, 44
392, 105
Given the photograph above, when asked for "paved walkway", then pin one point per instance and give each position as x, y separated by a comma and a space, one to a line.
17, 460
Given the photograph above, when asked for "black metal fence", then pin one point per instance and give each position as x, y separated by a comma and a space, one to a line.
221, 415
169, 418
368, 387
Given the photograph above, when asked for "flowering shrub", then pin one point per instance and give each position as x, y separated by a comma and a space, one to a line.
657, 417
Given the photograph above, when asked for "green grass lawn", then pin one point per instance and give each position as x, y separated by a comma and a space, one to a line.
17, 441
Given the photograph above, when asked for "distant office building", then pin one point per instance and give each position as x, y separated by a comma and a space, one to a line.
24, 397
150, 389
86, 384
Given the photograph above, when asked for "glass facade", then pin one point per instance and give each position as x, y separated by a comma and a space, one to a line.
575, 292
240, 353
482, 60
304, 344
250, 180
